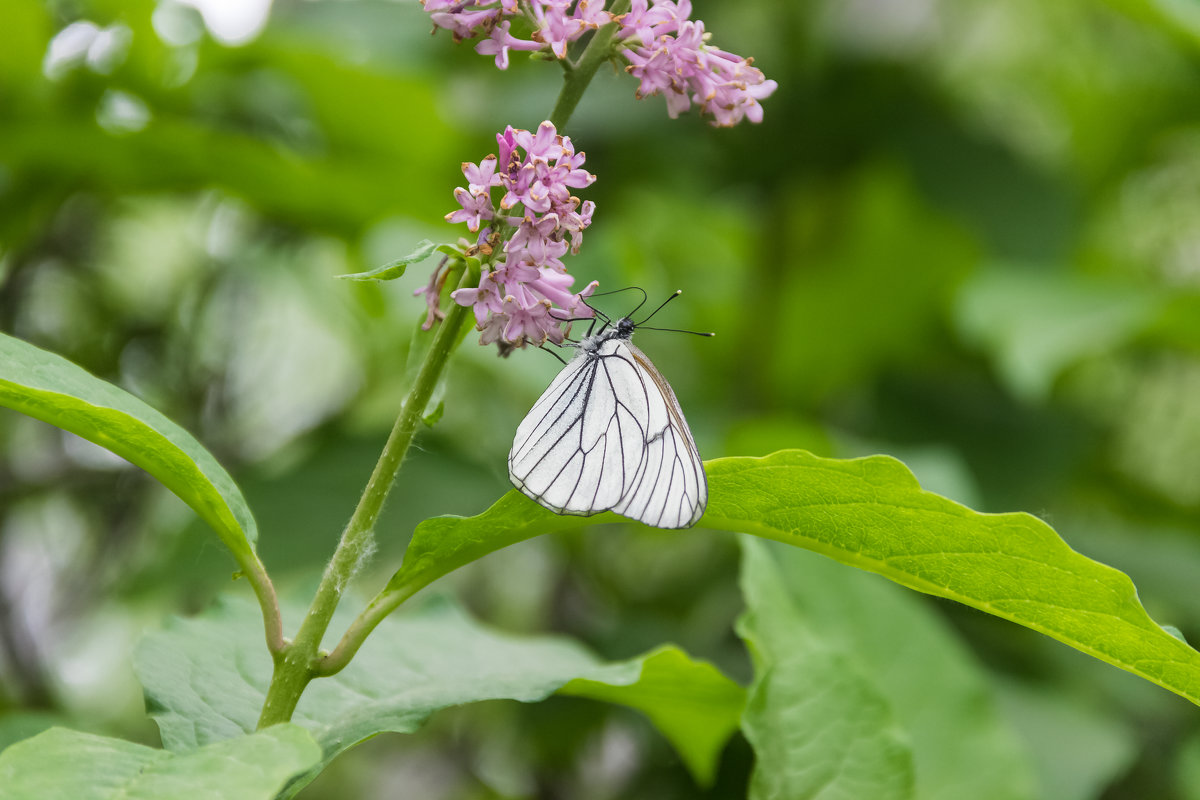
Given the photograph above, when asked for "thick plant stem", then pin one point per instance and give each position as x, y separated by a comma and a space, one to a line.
294, 667
576, 80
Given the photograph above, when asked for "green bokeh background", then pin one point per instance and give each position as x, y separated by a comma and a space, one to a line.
966, 234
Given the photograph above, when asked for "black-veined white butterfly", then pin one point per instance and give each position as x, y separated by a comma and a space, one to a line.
608, 435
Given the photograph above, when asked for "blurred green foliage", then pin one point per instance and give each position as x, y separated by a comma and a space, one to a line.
967, 234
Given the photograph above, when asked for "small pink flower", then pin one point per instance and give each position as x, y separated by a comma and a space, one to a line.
500, 41
545, 145
645, 22
507, 156
554, 28
574, 222
475, 208
463, 22
493, 328
511, 271
481, 177
555, 285
530, 320
591, 14
486, 299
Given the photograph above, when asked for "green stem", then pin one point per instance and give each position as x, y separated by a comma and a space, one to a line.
264, 590
294, 666
383, 604
299, 662
576, 79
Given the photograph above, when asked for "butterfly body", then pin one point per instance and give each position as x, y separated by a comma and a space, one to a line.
608, 435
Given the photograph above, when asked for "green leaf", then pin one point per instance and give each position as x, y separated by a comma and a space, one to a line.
394, 269
443, 544
205, 680
66, 764
936, 691
1179, 17
50, 388
872, 514
694, 705
18, 725
1035, 324
819, 726
1078, 747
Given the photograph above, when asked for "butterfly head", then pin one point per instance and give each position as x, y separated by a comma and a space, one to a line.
624, 328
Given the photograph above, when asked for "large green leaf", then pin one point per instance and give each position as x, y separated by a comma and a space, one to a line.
443, 544
872, 514
1035, 324
819, 726
933, 686
50, 388
1178, 17
1077, 747
66, 764
691, 702
205, 680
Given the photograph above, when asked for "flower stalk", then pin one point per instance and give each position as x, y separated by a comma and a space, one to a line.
295, 664
540, 184
388, 600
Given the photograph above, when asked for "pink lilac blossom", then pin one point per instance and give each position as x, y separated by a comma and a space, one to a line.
667, 51
523, 296
670, 55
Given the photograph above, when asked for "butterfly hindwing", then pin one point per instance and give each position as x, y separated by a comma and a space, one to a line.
673, 489
609, 434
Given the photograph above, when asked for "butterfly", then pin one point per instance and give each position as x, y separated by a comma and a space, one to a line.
608, 435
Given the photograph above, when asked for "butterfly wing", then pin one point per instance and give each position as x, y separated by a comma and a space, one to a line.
608, 434
578, 449
671, 490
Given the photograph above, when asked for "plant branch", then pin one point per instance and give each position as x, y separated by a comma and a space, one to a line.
576, 78
383, 604
300, 661
294, 666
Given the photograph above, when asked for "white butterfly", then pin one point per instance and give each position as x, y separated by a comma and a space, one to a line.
608, 435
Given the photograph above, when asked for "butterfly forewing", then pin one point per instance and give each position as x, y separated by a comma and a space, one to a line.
609, 434
558, 457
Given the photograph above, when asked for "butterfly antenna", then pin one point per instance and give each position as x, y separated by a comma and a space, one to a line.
655, 311
597, 314
676, 330
626, 289
551, 352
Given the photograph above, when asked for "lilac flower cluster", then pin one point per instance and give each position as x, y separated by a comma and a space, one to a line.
666, 50
524, 296
669, 53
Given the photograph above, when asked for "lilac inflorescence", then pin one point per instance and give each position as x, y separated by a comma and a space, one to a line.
524, 297
666, 50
